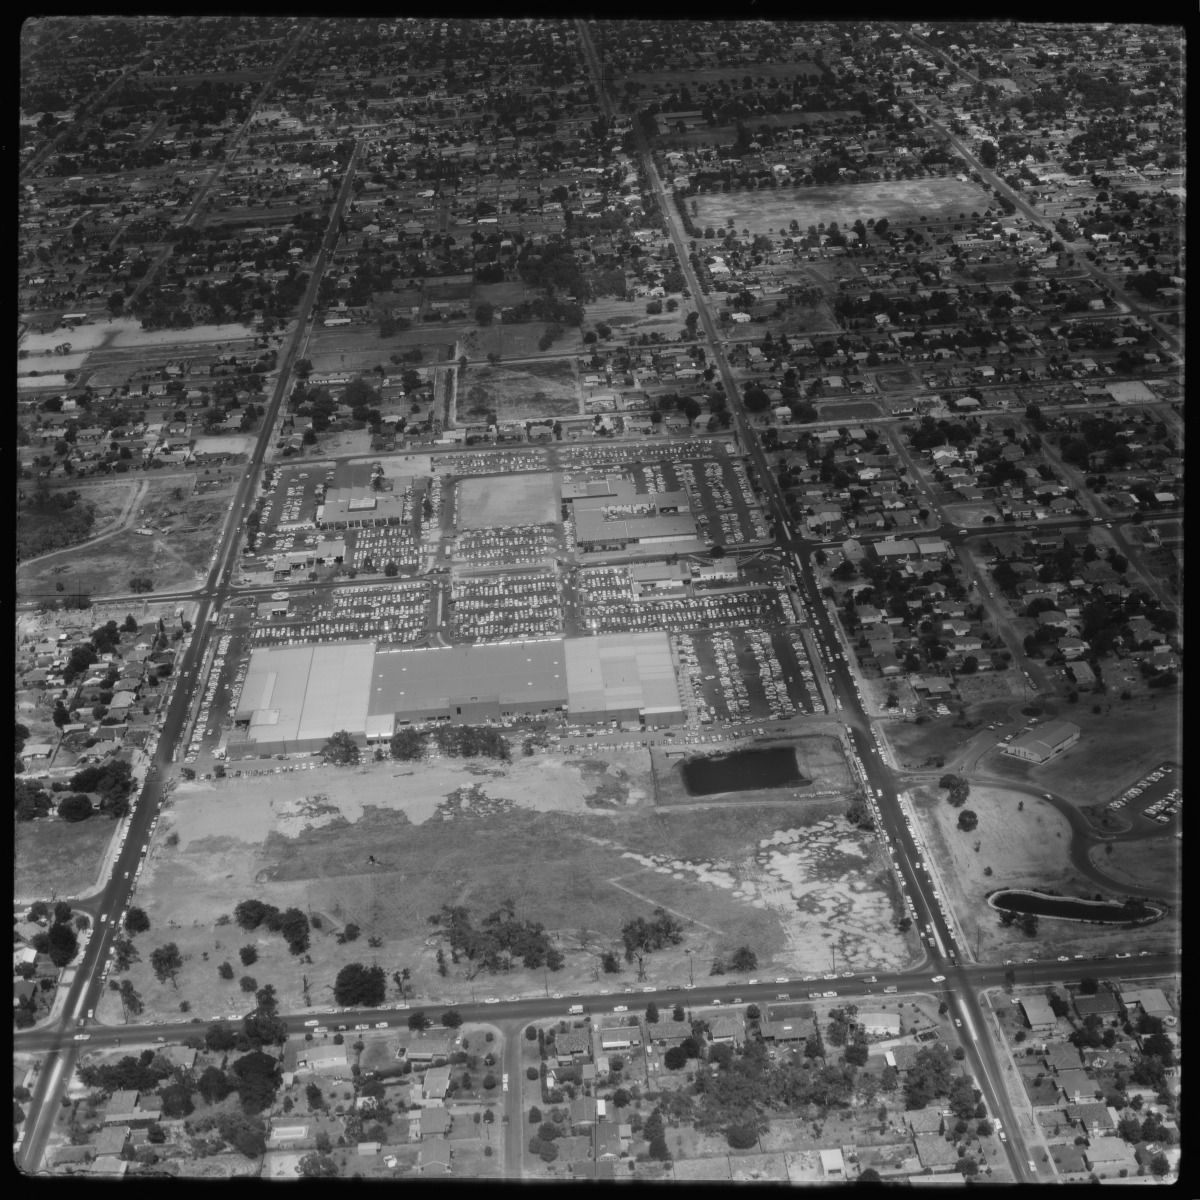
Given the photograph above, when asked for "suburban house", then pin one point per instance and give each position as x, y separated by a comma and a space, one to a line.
878, 1024
1039, 1014
324, 1060
433, 1158
619, 1037
571, 1045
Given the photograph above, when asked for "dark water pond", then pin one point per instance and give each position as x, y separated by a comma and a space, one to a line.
741, 771
1079, 910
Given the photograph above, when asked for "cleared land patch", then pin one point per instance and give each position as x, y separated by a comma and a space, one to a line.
488, 501
524, 391
386, 845
900, 200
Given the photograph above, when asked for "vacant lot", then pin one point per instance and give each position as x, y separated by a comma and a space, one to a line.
629, 318
1145, 863
57, 858
492, 500
185, 530
386, 845
903, 202
516, 391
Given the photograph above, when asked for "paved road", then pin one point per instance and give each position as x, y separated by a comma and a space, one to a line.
936, 929
84, 994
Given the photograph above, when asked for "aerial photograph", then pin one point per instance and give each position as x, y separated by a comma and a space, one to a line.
599, 599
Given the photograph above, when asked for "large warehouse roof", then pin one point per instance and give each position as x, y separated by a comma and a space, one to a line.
294, 693
618, 672
509, 672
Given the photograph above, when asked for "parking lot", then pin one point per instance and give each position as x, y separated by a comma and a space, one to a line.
745, 675
293, 494
494, 607
1156, 798
517, 546
373, 549
397, 612
605, 605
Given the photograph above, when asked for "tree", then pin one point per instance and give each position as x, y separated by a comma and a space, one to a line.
742, 1137
744, 959
61, 944
341, 749
358, 986
248, 984
419, 1020
166, 963
136, 921
75, 807
248, 955
652, 1013
225, 970
258, 1077
452, 1019
967, 820
610, 963
176, 1101
317, 1166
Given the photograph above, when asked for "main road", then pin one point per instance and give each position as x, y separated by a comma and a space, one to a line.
85, 991
925, 906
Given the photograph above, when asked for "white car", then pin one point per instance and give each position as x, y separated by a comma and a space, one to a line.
314, 1021
381, 1024
957, 1023
492, 1000
939, 979
358, 1028
621, 1008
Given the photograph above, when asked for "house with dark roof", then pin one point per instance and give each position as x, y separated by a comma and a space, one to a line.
1102, 1004
935, 1153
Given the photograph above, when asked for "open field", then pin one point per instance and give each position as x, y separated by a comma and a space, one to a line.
54, 857
1150, 859
186, 527
695, 76
573, 842
514, 341
629, 318
360, 348
1025, 849
857, 410
900, 200
1115, 748
488, 501
516, 391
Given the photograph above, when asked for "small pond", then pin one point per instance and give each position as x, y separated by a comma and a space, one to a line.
1106, 911
741, 771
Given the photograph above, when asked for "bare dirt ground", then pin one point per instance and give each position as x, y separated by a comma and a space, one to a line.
517, 391
484, 503
574, 842
898, 200
1025, 849
186, 528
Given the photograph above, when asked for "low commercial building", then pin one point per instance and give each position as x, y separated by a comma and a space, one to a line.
295, 697
1044, 742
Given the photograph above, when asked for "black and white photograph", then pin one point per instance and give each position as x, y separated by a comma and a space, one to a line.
599, 599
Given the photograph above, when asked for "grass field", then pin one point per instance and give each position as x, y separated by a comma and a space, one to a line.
903, 202
517, 391
57, 858
185, 532
856, 410
1148, 862
530, 499
629, 317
